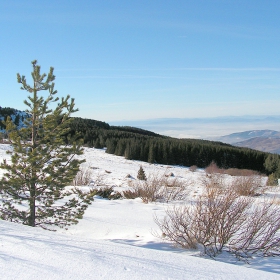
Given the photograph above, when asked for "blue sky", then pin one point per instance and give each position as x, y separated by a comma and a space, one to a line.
129, 60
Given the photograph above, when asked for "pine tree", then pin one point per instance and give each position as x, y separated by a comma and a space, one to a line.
272, 164
141, 174
97, 143
33, 189
151, 155
16, 120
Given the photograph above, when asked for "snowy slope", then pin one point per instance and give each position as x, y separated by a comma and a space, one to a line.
116, 238
28, 253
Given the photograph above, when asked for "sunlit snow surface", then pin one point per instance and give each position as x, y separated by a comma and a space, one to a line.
116, 239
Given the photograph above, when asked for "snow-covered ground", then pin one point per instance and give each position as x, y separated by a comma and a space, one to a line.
116, 239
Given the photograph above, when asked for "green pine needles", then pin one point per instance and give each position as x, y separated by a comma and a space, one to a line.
33, 188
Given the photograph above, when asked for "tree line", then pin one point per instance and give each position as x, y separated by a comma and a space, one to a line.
139, 144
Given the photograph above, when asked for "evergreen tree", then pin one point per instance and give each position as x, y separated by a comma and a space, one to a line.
97, 144
33, 189
17, 120
141, 174
272, 180
272, 164
151, 155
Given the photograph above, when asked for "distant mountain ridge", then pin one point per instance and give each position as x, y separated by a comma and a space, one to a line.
246, 135
262, 140
270, 145
208, 128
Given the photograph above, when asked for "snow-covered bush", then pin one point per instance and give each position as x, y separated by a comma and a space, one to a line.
248, 185
221, 219
193, 168
83, 177
161, 188
109, 193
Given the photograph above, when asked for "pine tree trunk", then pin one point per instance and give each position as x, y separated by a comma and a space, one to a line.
32, 205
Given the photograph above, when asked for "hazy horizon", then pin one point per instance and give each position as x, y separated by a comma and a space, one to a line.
204, 128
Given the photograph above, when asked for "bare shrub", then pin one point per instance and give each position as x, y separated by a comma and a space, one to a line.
213, 168
83, 177
247, 185
178, 227
242, 185
98, 180
260, 232
210, 222
175, 189
108, 192
213, 181
240, 172
148, 190
193, 168
221, 219
160, 188
129, 194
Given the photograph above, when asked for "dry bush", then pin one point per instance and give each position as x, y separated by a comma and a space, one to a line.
148, 190
175, 189
162, 188
210, 222
213, 168
129, 194
213, 181
83, 177
221, 219
248, 185
108, 192
241, 172
260, 233
193, 168
242, 185
99, 180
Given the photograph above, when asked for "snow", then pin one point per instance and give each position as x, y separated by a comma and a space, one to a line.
116, 239
28, 253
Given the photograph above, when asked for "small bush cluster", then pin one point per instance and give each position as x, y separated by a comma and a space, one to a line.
248, 185
109, 193
160, 188
213, 181
130, 194
214, 169
241, 172
241, 185
193, 168
222, 219
83, 177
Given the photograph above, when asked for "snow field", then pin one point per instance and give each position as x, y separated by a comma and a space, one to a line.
117, 239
